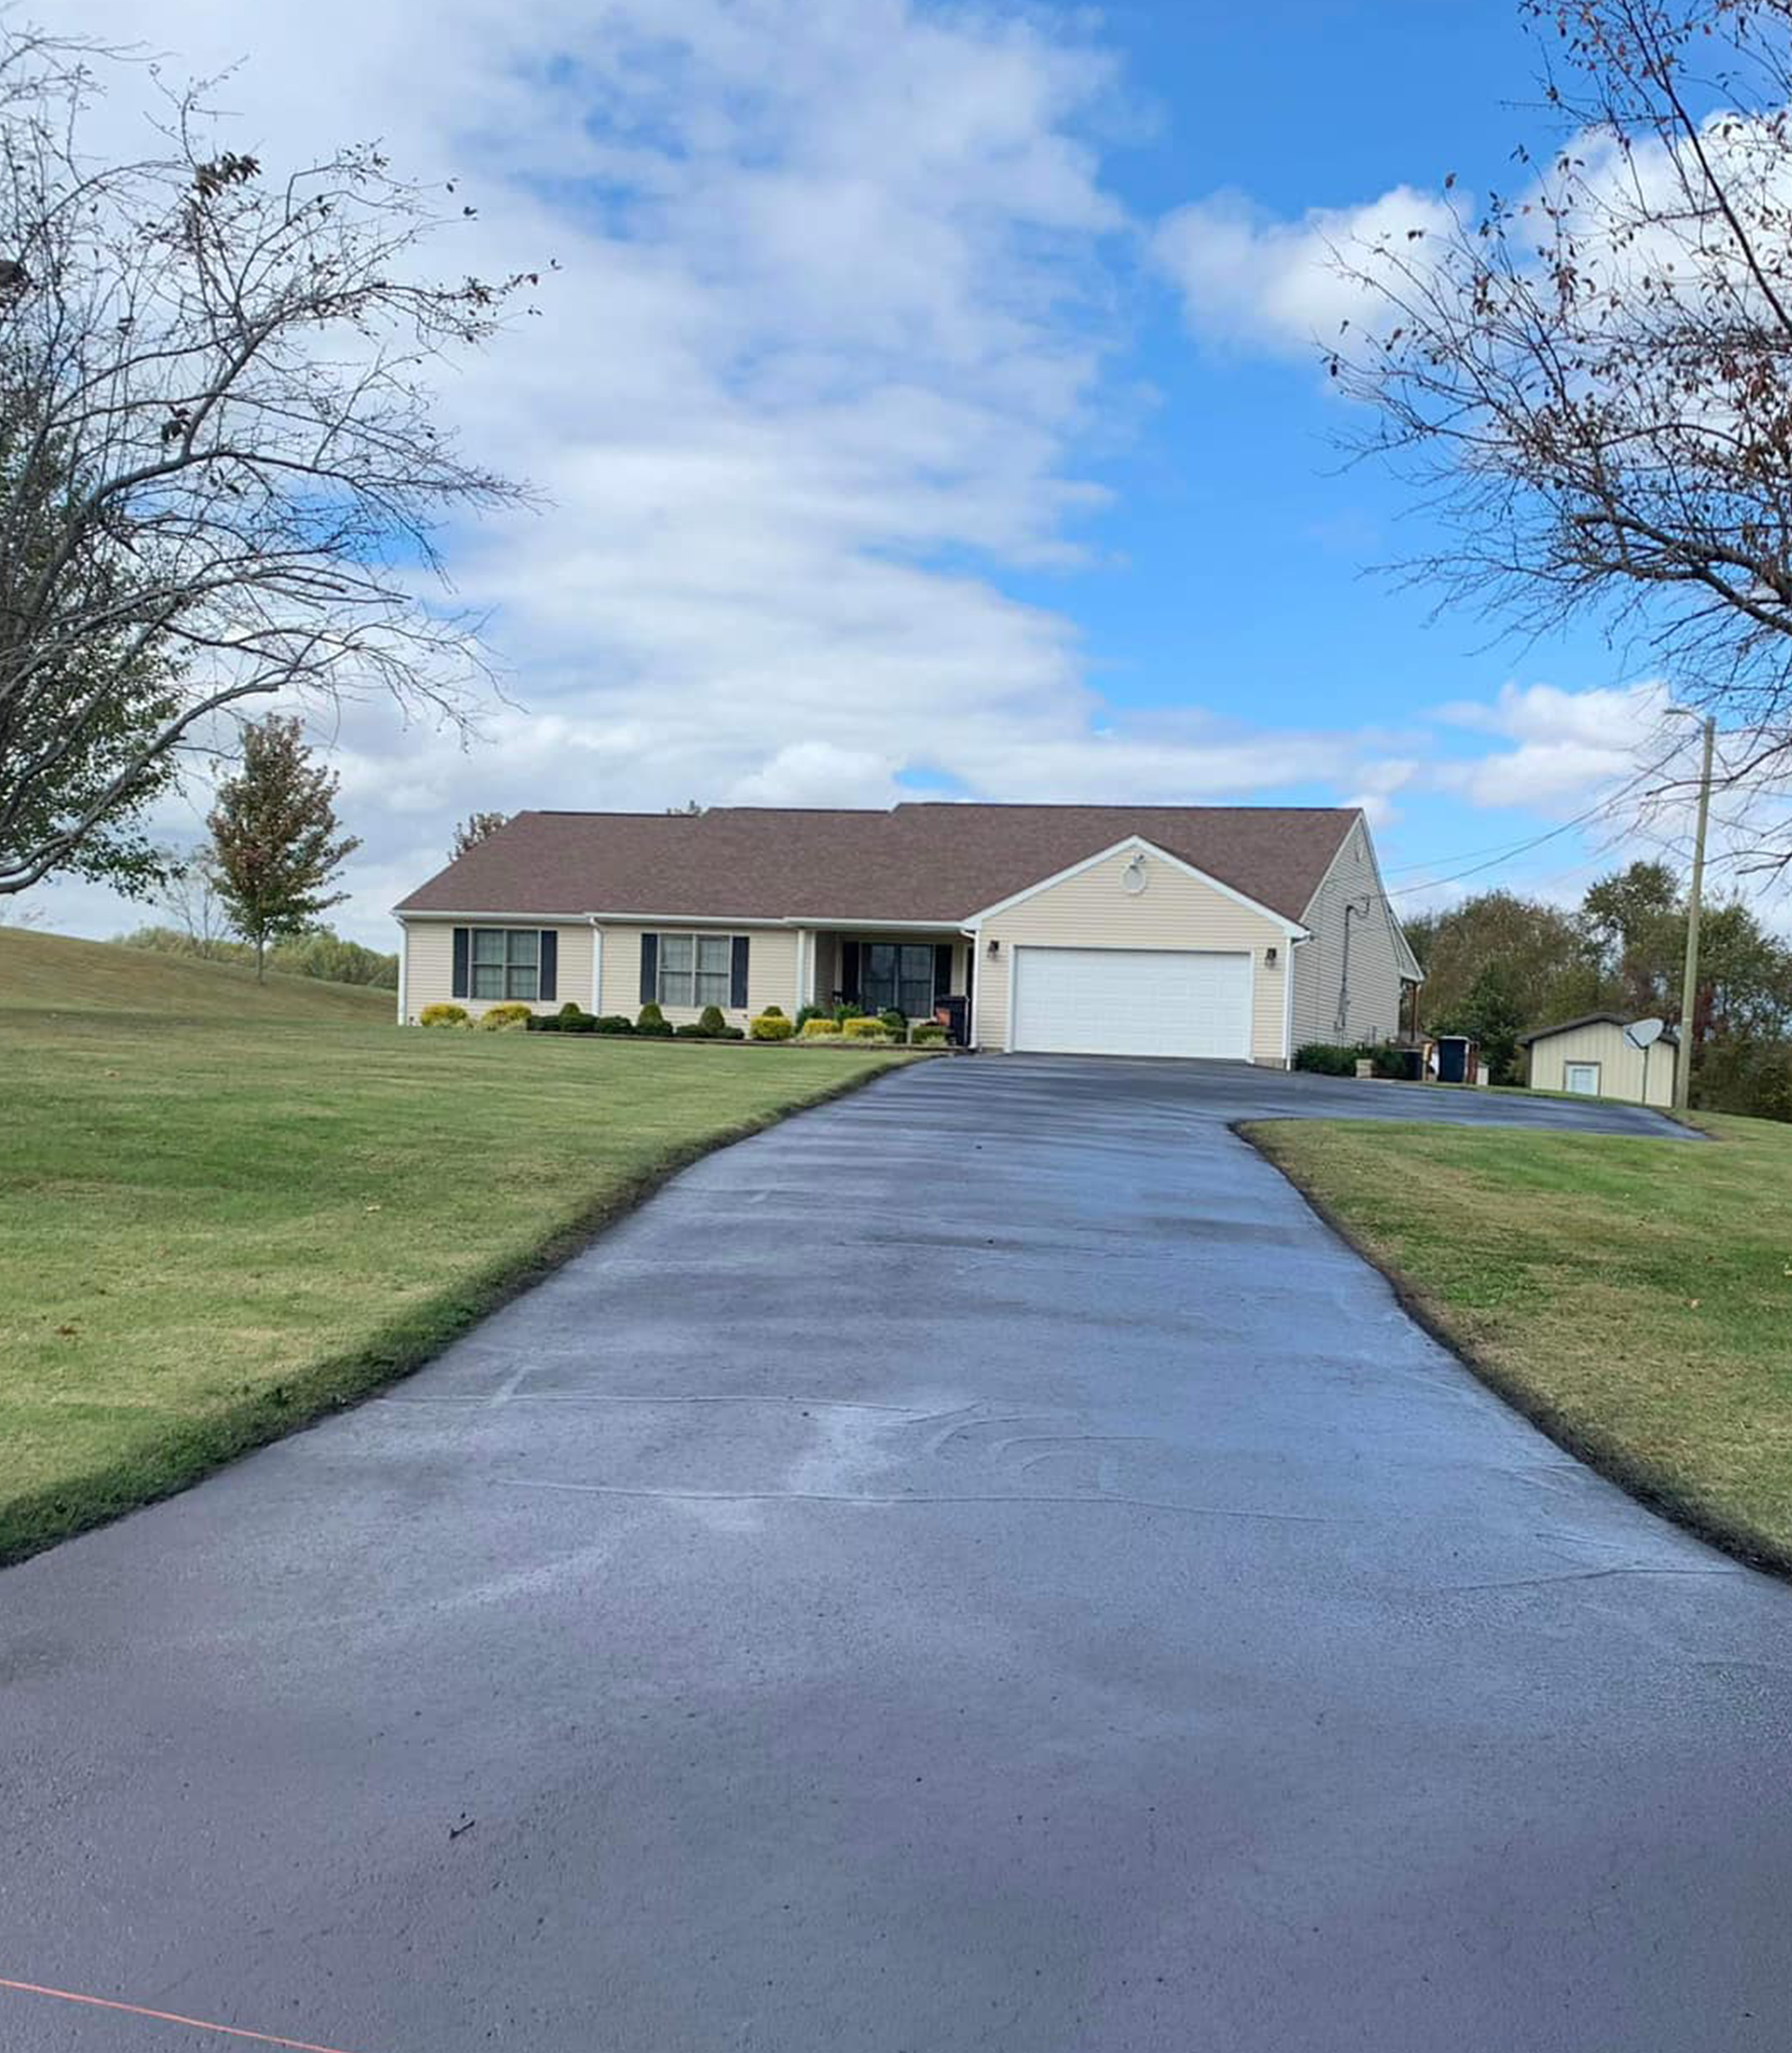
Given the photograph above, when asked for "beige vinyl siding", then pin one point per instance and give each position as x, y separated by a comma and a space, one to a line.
1620, 1064
429, 964
1091, 909
771, 972
1377, 954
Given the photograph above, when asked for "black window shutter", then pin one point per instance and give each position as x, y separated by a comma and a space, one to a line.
738, 971
550, 963
462, 950
650, 968
942, 970
850, 971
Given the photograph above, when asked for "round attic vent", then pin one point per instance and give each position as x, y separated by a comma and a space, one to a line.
1133, 877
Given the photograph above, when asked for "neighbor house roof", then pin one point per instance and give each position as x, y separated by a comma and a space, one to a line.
926, 862
1585, 1020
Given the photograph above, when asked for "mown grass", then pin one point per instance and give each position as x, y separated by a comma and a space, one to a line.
215, 1224
1634, 1297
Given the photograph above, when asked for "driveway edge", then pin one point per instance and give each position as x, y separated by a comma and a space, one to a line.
31, 1525
1636, 1479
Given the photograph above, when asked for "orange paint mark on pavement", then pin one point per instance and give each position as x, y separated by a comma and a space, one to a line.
166, 2017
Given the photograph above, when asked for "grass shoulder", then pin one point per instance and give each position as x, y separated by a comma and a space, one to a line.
1633, 1297
213, 1229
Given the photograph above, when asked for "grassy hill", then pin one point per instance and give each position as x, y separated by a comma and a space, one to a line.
51, 973
226, 1208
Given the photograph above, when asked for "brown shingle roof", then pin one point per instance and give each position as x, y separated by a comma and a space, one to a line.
935, 862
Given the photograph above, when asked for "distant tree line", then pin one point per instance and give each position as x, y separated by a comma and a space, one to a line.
1498, 965
321, 954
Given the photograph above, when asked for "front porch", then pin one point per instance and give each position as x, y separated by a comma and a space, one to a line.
909, 972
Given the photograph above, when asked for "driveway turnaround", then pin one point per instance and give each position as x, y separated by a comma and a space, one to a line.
978, 1566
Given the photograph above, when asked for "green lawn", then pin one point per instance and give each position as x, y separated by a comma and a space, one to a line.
1633, 1297
222, 1211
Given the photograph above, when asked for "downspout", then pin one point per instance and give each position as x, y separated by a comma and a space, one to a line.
596, 963
1360, 907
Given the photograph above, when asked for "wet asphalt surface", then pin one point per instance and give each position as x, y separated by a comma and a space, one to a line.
977, 1566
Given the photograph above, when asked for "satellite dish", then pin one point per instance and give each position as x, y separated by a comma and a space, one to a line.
1644, 1033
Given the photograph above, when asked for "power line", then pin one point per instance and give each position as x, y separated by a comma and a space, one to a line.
1523, 847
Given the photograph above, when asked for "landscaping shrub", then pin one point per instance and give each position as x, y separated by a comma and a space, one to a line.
804, 1014
1327, 1059
772, 1025
577, 1022
895, 1023
571, 1010
772, 1012
847, 1010
613, 1022
652, 1021
505, 1019
1397, 1065
818, 1026
927, 1033
695, 1030
542, 1022
712, 1020
443, 1015
864, 1029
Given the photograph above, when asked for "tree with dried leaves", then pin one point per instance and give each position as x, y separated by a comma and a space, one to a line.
276, 849
222, 470
1589, 381
476, 828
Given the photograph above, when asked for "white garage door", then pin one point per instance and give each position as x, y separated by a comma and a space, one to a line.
1132, 1001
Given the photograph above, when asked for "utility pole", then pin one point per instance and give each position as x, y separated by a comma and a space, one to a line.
1689, 985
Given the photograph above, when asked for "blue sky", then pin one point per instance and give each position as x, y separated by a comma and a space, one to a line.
928, 402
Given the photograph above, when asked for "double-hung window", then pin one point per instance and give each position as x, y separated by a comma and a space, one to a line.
506, 963
898, 977
695, 968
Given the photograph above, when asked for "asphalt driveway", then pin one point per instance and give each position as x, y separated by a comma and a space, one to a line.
978, 1566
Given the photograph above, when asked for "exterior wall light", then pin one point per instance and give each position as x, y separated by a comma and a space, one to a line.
995, 945
1270, 958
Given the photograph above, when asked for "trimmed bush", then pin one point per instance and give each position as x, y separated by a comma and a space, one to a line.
864, 1029
652, 1021
577, 1022
848, 1011
927, 1033
542, 1022
804, 1014
572, 1010
895, 1023
443, 1015
712, 1020
505, 1019
613, 1022
818, 1026
695, 1030
772, 1025
772, 1012
1327, 1059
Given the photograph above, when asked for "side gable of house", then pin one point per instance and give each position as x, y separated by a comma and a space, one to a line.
1348, 977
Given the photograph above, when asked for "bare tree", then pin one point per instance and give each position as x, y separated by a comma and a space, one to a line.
221, 472
476, 828
1589, 381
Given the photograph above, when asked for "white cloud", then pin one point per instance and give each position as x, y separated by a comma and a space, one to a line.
830, 330
1569, 749
1248, 277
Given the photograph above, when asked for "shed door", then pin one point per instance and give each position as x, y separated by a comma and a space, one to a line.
1582, 1079
1132, 1001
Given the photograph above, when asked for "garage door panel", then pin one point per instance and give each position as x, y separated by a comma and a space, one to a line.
1132, 1001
